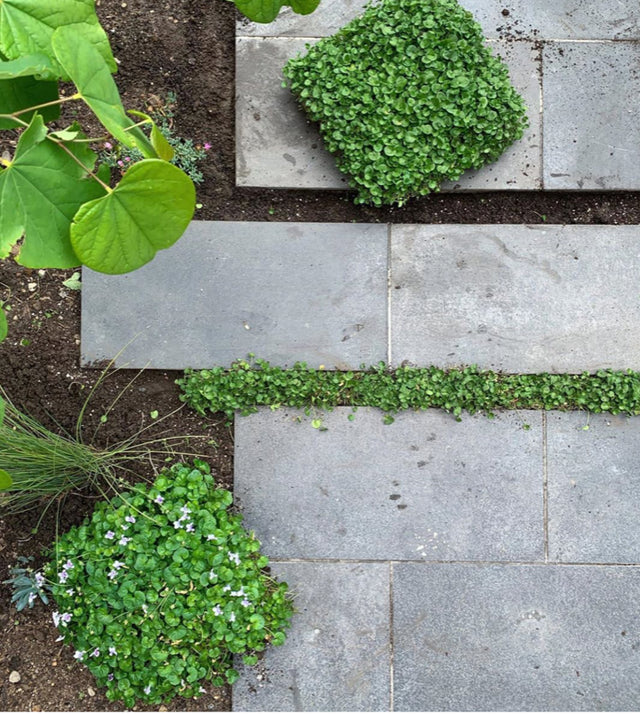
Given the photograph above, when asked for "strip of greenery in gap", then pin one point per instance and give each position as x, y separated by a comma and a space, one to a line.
245, 386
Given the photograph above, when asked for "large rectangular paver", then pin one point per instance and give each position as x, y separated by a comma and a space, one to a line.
533, 19
593, 487
516, 298
277, 147
424, 488
283, 291
515, 638
591, 128
337, 653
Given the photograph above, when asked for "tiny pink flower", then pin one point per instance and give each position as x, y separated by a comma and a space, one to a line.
108, 145
207, 146
120, 163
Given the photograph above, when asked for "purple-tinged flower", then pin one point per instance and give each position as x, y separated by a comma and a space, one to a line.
108, 145
207, 146
202, 690
39, 578
127, 158
56, 618
112, 651
110, 676
124, 540
158, 499
147, 689
234, 558
112, 574
65, 618
226, 588
212, 575
110, 535
117, 564
68, 565
95, 653
245, 602
124, 527
185, 511
120, 163
232, 617
211, 537
177, 524
130, 519
63, 576
70, 591
32, 597
217, 610
190, 528
79, 655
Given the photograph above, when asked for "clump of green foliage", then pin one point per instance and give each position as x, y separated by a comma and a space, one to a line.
244, 387
407, 96
27, 584
186, 154
162, 586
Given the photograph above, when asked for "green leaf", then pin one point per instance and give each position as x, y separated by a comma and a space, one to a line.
162, 147
73, 283
24, 92
5, 480
95, 85
267, 10
27, 27
4, 328
40, 192
39, 65
148, 211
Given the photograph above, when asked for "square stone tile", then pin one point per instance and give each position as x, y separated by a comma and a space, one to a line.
423, 488
277, 147
593, 487
337, 653
282, 291
516, 298
591, 128
515, 638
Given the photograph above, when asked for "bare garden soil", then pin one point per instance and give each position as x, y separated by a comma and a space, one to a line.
186, 47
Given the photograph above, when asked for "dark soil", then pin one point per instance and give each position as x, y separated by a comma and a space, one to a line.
184, 46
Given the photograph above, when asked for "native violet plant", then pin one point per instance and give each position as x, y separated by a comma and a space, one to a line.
267, 10
159, 589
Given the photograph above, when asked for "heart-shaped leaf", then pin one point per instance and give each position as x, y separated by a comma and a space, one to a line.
24, 92
40, 192
92, 77
267, 10
27, 26
162, 147
5, 480
147, 211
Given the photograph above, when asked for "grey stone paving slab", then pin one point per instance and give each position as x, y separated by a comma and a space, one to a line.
337, 653
276, 146
593, 487
516, 298
591, 128
424, 488
564, 19
516, 638
283, 291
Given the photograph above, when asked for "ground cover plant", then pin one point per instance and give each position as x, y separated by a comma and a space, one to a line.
245, 386
407, 96
158, 590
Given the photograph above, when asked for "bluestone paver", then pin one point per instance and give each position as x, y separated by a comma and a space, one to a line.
532, 19
593, 488
515, 638
425, 487
283, 291
337, 653
276, 146
516, 298
591, 128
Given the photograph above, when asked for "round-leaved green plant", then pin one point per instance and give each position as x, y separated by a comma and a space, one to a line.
162, 586
408, 95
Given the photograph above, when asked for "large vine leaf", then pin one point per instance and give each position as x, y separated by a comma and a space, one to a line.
27, 26
267, 10
94, 82
40, 192
147, 211
24, 92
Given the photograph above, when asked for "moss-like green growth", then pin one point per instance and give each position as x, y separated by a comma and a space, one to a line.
408, 95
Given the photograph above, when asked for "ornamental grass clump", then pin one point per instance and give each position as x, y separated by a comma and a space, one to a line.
407, 96
161, 587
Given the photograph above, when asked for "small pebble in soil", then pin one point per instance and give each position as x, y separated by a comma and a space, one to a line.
14, 677
91, 691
